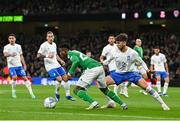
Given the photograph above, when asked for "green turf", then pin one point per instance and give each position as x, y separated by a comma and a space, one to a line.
140, 106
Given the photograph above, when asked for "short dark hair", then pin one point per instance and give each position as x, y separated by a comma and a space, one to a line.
122, 37
156, 47
111, 35
12, 34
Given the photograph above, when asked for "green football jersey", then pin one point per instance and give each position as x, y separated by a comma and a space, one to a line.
81, 60
139, 50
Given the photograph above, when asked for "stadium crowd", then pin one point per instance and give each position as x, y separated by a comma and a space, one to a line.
56, 7
94, 42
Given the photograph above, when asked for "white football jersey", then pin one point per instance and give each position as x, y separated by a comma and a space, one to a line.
16, 60
45, 49
158, 61
107, 53
126, 61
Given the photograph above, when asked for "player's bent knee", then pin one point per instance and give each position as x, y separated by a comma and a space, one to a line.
109, 80
14, 78
77, 89
104, 90
59, 78
64, 77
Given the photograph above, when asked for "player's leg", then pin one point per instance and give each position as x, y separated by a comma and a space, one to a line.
158, 82
53, 73
145, 77
142, 83
103, 87
124, 90
57, 87
67, 88
20, 72
80, 91
83, 84
166, 83
27, 83
13, 75
66, 85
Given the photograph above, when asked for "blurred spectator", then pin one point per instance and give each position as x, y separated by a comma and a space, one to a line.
93, 42
56, 7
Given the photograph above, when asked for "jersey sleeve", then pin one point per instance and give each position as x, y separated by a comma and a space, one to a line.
41, 49
75, 63
5, 49
164, 59
104, 52
152, 61
20, 50
55, 48
110, 58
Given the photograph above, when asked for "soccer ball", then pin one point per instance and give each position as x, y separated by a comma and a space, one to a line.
50, 102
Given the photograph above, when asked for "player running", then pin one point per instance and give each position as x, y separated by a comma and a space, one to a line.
125, 59
93, 70
160, 67
16, 64
48, 51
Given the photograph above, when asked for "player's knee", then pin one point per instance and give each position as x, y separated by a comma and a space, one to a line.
14, 78
148, 89
59, 78
166, 79
77, 89
104, 90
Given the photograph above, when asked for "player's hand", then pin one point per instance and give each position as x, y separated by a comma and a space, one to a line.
62, 63
50, 55
148, 71
13, 54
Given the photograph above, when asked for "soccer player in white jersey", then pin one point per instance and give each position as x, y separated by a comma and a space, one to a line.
160, 67
48, 51
106, 52
125, 59
16, 64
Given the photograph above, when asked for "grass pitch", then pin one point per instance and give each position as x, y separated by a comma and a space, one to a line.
141, 107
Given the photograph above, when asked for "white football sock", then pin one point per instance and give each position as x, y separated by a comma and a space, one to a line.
28, 85
57, 87
158, 84
165, 87
13, 85
154, 94
67, 88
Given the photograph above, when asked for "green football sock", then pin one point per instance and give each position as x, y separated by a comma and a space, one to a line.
114, 97
83, 95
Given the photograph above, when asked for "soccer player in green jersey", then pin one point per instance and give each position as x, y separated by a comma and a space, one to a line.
142, 71
93, 70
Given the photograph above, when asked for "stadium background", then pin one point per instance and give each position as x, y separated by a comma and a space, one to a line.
85, 25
